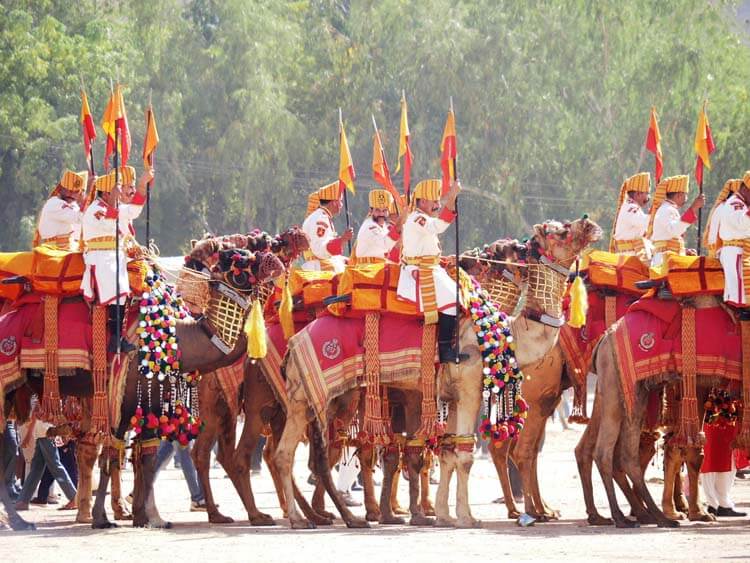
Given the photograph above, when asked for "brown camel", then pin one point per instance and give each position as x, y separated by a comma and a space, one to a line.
559, 244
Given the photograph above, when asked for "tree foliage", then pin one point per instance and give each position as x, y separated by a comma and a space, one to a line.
551, 99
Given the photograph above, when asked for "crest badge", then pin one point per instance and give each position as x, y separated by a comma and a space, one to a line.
647, 341
8, 346
331, 349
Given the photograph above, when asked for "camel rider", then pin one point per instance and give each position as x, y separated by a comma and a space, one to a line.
60, 220
376, 236
631, 223
667, 224
734, 234
326, 247
423, 280
711, 239
99, 243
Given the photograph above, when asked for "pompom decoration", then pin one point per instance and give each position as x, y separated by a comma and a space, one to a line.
158, 346
501, 376
721, 409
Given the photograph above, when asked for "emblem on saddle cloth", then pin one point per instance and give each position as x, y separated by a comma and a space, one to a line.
647, 341
331, 349
8, 346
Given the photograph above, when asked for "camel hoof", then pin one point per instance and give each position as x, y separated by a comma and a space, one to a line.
84, 519
262, 520
646, 519
219, 518
599, 520
123, 515
421, 520
357, 523
391, 520
469, 523
702, 517
372, 516
428, 510
513, 514
320, 520
446, 522
674, 515
667, 523
627, 523
400, 511
325, 514
552, 515
302, 524
103, 525
21, 525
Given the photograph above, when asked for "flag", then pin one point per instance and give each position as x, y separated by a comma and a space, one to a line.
704, 145
151, 139
404, 148
380, 172
115, 119
448, 150
89, 131
346, 166
653, 144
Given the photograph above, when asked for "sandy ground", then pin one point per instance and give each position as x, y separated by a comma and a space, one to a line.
193, 539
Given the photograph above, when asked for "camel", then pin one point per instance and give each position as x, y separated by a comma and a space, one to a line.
198, 353
562, 244
615, 438
459, 384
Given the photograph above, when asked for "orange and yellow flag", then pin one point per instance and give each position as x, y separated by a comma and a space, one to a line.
404, 147
380, 172
704, 145
151, 139
449, 151
115, 125
89, 131
346, 165
653, 144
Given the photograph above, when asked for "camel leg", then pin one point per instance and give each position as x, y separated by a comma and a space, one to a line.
148, 468
323, 471
448, 461
499, 454
119, 509
268, 453
201, 455
414, 459
86, 458
318, 499
100, 520
14, 519
465, 459
695, 509
391, 458
396, 507
584, 452
672, 464
424, 482
366, 454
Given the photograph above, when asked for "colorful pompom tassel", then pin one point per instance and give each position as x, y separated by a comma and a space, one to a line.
255, 329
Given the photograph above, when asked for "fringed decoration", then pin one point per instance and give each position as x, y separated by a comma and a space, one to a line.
373, 426
579, 413
670, 405
742, 441
578, 303
688, 432
51, 407
255, 330
286, 315
100, 414
429, 426
610, 310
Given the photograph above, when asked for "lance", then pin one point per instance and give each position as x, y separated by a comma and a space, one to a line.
346, 199
455, 205
700, 192
150, 115
118, 321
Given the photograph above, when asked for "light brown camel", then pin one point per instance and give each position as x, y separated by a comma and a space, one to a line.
553, 243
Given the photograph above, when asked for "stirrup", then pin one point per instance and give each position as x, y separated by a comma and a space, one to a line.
125, 346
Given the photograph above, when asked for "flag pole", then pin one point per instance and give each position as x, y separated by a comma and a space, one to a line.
455, 205
700, 192
407, 187
118, 321
346, 199
150, 116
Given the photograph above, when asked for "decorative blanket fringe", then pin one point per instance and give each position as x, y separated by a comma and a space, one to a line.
429, 427
374, 427
51, 407
688, 432
100, 414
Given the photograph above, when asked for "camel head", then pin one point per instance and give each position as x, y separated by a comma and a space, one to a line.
203, 254
495, 258
563, 242
243, 269
290, 244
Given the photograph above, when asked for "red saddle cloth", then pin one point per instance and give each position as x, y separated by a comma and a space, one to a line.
329, 353
22, 338
648, 343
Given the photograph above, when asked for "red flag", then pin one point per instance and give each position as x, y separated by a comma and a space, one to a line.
653, 144
448, 150
115, 119
704, 145
123, 131
380, 172
89, 131
404, 147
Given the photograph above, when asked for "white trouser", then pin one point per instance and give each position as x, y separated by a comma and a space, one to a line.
348, 470
717, 487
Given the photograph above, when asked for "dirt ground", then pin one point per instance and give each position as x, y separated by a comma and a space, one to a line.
193, 539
